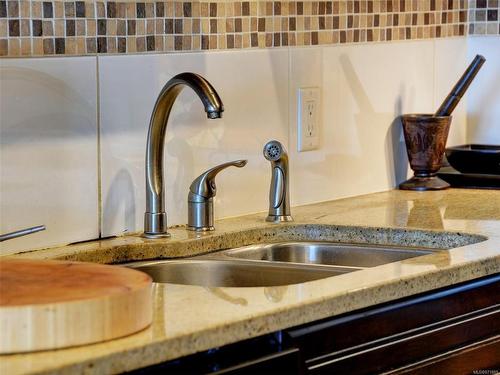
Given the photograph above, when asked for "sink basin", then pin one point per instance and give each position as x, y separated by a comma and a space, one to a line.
274, 264
325, 253
224, 273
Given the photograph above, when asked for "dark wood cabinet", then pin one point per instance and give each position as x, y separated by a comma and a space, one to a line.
397, 334
452, 330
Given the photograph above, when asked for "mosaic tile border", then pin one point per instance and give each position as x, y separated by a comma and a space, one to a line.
484, 17
88, 27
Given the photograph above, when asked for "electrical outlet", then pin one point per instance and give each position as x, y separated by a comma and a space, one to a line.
308, 119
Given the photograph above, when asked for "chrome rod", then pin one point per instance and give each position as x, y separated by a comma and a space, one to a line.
21, 232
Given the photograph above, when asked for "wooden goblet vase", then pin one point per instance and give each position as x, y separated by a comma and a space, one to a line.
425, 137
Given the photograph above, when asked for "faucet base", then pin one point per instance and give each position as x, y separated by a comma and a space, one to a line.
201, 229
279, 218
156, 235
155, 225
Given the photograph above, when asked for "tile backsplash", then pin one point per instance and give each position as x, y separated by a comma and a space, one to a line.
255, 110
73, 129
484, 17
74, 116
48, 150
40, 28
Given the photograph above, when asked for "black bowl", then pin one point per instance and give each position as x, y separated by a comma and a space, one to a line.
482, 159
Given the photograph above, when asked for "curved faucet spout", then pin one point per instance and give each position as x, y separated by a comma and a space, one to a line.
155, 217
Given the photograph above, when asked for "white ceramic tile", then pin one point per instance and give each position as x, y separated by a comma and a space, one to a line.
48, 128
450, 63
48, 148
364, 89
483, 97
253, 87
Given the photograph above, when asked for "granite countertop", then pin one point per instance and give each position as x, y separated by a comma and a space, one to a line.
188, 319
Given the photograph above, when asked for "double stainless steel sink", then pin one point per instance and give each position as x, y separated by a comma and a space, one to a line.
274, 264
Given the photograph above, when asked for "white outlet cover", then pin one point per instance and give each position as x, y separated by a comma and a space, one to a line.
308, 119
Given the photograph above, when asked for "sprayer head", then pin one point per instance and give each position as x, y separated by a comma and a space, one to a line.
273, 150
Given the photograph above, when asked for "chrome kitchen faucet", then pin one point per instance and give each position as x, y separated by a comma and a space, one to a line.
155, 217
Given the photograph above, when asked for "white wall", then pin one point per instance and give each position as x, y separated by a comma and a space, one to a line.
48, 150
253, 86
483, 101
364, 88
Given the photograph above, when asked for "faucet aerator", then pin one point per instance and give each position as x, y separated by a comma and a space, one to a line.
214, 115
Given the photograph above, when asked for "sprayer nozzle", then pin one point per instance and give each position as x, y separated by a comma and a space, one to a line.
273, 150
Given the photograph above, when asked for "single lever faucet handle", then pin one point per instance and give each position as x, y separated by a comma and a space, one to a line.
204, 184
200, 198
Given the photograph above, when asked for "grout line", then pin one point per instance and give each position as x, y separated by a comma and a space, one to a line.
289, 101
99, 156
434, 77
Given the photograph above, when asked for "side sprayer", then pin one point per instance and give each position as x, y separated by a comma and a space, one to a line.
279, 195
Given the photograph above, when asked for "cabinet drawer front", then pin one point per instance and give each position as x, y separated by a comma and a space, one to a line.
378, 323
286, 362
411, 348
480, 358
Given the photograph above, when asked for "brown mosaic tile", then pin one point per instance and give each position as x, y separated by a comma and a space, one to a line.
4, 28
12, 9
58, 9
130, 10
122, 45
25, 47
98, 26
14, 47
60, 45
140, 12
131, 45
150, 27
120, 9
150, 12
70, 46
69, 9
159, 45
47, 28
4, 47
81, 27
131, 27
59, 28
121, 27
14, 28
3, 14
24, 10
140, 27
80, 9
47, 9
91, 27
178, 43
102, 45
111, 45
48, 46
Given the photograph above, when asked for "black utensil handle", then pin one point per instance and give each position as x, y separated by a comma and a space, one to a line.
461, 87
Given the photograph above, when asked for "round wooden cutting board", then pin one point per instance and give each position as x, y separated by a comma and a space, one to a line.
48, 304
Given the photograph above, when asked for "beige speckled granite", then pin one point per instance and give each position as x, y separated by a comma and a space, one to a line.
190, 318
